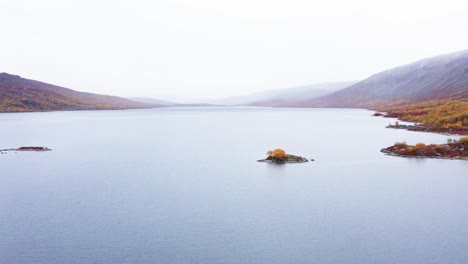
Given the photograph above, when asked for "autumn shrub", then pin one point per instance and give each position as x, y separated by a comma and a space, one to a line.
440, 147
458, 124
410, 148
449, 113
420, 146
277, 153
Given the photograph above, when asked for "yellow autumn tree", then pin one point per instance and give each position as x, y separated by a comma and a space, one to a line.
277, 154
449, 113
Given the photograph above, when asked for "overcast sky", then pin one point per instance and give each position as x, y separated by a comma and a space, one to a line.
216, 48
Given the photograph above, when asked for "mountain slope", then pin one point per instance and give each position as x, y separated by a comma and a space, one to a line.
434, 78
22, 95
287, 97
148, 100
280, 96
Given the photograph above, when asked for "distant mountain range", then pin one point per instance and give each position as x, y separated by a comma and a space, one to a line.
153, 101
285, 97
164, 103
443, 77
22, 95
436, 78
277, 97
440, 77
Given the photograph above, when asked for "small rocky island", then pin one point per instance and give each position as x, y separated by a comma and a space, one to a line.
452, 150
29, 148
280, 156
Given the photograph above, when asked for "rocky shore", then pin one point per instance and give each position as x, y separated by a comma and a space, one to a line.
29, 148
443, 130
454, 151
288, 159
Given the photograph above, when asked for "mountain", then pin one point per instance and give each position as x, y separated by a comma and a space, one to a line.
439, 77
22, 95
290, 96
241, 99
164, 103
154, 101
281, 96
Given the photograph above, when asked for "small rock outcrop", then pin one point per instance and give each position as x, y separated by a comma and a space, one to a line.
280, 156
28, 148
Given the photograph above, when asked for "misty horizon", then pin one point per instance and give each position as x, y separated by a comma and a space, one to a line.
213, 49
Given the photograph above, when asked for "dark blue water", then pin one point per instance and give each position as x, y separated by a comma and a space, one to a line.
183, 186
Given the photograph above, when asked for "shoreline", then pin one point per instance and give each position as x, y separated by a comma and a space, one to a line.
438, 130
389, 153
23, 149
452, 150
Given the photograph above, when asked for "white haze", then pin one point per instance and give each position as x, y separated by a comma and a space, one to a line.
213, 48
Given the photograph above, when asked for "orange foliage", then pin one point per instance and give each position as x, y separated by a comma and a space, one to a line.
277, 153
450, 113
420, 146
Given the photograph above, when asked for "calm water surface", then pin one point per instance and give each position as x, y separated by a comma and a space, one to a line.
183, 186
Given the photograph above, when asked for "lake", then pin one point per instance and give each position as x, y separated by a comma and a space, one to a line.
182, 185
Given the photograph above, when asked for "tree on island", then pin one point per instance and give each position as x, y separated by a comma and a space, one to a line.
277, 154
280, 156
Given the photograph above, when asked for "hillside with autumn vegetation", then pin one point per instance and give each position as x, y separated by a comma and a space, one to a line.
448, 115
443, 77
23, 95
432, 92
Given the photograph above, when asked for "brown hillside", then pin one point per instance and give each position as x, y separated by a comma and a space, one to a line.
22, 95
